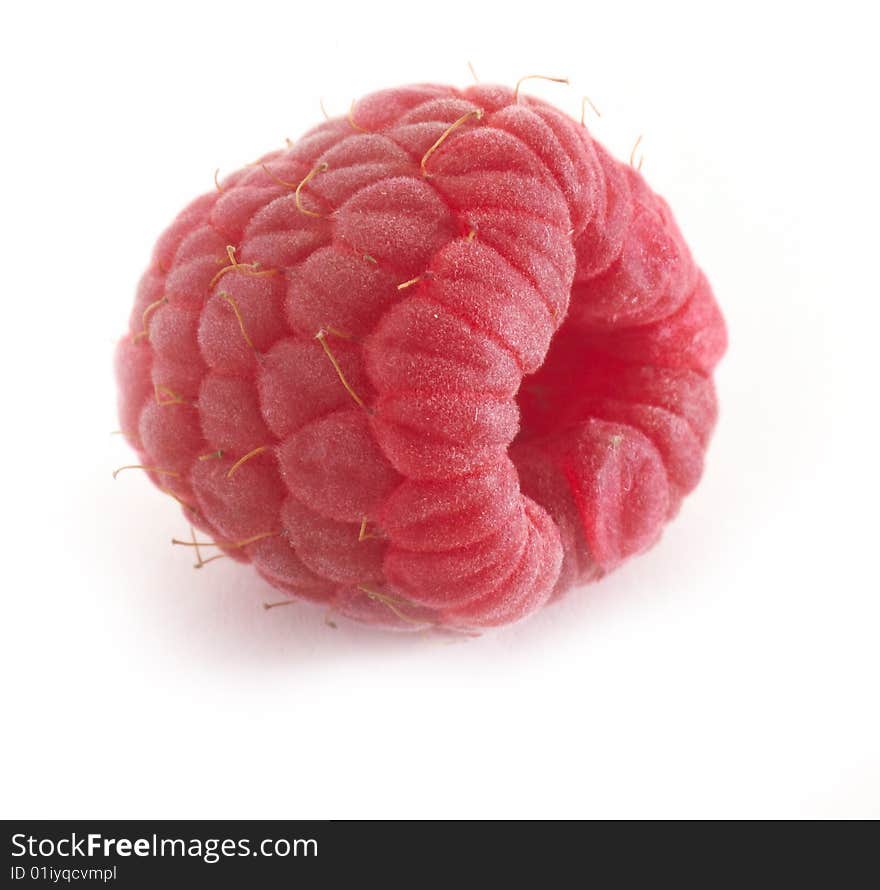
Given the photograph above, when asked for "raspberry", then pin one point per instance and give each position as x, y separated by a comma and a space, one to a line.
434, 364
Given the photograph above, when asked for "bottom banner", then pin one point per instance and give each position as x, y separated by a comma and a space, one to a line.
317, 854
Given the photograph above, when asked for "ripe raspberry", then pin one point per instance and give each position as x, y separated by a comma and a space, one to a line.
433, 364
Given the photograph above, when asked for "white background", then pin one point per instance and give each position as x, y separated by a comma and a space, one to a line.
732, 671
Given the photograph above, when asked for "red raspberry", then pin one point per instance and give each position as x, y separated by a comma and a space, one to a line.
433, 364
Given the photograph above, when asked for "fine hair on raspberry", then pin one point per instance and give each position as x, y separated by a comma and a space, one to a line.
433, 364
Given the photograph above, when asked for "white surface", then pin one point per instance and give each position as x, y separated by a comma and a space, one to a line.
730, 672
